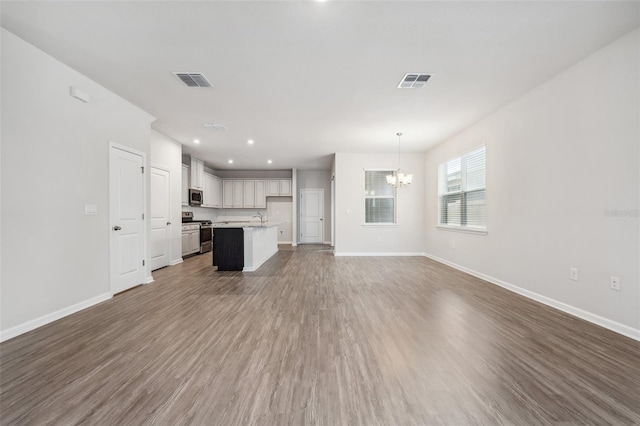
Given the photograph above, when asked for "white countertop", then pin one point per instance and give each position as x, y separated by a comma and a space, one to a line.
231, 224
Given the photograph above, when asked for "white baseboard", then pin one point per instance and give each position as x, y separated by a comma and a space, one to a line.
176, 262
54, 316
623, 329
284, 242
149, 279
381, 254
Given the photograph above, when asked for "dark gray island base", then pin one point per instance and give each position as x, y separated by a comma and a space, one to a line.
243, 246
228, 249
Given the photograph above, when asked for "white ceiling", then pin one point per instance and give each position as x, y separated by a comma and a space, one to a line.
305, 79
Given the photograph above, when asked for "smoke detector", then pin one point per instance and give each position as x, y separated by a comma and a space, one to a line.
193, 79
414, 80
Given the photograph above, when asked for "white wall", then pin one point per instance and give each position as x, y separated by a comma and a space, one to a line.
407, 238
558, 158
167, 154
55, 156
317, 179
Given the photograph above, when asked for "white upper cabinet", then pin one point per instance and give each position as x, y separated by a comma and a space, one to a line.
252, 193
285, 187
249, 193
273, 188
197, 174
227, 193
217, 192
238, 194
260, 194
232, 193
185, 185
212, 191
278, 187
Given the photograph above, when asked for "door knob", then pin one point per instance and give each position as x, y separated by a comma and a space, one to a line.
116, 228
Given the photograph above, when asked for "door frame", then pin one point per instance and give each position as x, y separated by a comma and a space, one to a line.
170, 236
302, 190
145, 206
333, 211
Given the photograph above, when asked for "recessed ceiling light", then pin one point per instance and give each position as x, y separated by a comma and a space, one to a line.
250, 141
230, 161
269, 161
196, 141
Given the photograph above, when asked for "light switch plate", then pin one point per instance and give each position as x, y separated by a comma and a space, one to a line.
90, 209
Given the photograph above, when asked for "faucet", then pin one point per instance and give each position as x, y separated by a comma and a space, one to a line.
262, 218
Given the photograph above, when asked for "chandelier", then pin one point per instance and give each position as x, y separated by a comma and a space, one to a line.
398, 179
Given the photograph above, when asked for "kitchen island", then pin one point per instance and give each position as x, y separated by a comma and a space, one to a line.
243, 246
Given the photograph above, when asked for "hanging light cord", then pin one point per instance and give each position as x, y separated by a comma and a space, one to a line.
399, 135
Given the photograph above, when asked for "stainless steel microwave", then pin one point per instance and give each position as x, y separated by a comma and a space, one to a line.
195, 197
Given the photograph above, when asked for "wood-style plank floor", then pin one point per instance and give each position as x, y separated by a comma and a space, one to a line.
310, 339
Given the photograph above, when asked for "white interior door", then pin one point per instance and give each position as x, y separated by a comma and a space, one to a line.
159, 215
311, 216
126, 209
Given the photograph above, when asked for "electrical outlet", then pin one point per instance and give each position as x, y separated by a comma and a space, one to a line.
573, 274
615, 283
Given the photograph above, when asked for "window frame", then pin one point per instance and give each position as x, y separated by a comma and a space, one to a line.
463, 192
394, 197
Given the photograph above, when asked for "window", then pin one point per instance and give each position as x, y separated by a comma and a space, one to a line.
462, 192
379, 198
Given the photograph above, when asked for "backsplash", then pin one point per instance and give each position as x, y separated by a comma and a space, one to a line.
222, 215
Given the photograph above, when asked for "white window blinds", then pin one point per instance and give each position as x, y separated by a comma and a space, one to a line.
379, 198
462, 192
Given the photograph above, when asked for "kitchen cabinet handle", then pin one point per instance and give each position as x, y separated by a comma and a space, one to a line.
116, 228
168, 223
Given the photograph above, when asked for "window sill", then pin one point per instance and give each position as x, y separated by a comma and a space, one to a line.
464, 230
379, 225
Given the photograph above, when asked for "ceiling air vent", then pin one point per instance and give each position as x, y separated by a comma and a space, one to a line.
414, 80
214, 126
193, 79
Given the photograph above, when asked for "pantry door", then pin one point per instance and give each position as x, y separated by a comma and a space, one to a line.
126, 218
311, 216
159, 215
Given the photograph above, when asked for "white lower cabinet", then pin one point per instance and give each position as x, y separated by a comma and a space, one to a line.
190, 239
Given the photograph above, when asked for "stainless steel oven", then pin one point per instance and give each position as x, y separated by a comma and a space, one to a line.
206, 236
